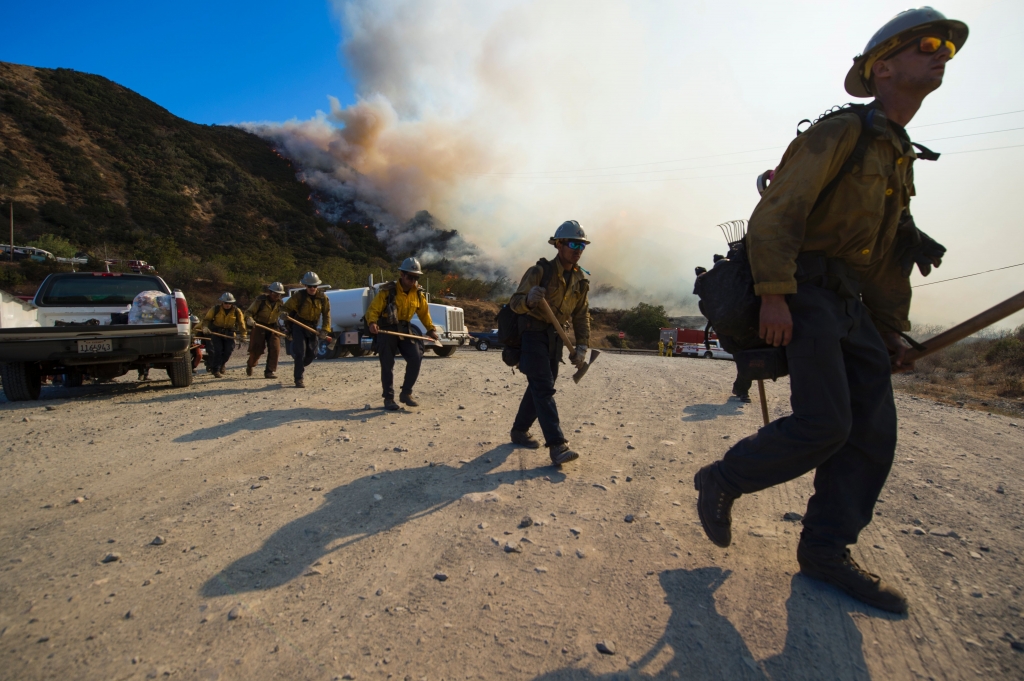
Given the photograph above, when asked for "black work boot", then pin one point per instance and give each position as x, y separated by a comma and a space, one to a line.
269, 374
714, 506
562, 454
524, 439
838, 568
299, 383
390, 404
406, 398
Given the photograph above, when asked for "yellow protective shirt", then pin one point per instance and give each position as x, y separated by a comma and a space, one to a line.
309, 309
225, 319
567, 296
407, 304
264, 310
856, 223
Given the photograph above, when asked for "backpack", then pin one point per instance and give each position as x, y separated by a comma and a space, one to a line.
508, 321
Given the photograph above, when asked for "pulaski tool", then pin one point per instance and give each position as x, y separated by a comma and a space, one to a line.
965, 329
413, 336
583, 367
267, 328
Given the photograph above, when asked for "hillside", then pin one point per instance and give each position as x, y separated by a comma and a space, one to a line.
117, 175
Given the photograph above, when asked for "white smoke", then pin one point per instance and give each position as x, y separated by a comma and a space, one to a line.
645, 121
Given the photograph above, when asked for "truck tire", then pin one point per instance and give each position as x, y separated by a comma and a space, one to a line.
341, 351
482, 345
446, 351
180, 371
708, 355
22, 380
358, 351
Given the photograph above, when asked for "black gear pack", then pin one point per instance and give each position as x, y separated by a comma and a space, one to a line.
510, 322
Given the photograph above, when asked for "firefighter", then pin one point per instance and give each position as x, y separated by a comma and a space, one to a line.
392, 309
668, 348
265, 310
565, 287
661, 348
310, 307
833, 276
222, 320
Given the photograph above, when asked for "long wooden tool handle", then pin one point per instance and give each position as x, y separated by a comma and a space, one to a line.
298, 323
546, 309
409, 335
764, 401
971, 326
214, 333
269, 329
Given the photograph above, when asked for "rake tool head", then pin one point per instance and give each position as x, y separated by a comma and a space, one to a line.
734, 231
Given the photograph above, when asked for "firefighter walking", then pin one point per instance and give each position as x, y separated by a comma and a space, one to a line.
264, 310
831, 246
220, 323
310, 308
565, 287
392, 309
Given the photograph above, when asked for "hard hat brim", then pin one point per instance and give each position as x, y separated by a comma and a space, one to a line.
554, 240
855, 83
410, 271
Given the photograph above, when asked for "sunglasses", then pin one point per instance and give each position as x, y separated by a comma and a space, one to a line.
930, 45
575, 245
410, 277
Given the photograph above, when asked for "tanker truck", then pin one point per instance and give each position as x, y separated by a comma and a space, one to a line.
349, 333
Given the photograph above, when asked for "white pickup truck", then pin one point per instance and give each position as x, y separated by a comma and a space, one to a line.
76, 325
350, 336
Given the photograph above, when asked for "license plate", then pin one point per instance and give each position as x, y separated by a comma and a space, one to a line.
95, 346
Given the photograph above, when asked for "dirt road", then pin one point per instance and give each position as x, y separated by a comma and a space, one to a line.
308, 537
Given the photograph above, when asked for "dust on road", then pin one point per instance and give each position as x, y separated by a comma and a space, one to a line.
308, 537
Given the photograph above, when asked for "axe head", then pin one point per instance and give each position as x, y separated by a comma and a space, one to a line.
581, 372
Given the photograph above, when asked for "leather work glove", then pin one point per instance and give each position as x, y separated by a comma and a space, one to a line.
250, 322
322, 335
205, 330
535, 295
581, 354
915, 247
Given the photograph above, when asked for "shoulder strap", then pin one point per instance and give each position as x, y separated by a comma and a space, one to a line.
549, 271
872, 124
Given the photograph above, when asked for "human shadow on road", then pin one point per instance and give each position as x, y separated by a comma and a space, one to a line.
353, 512
272, 418
822, 641
709, 412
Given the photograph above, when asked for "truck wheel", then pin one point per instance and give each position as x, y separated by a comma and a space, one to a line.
180, 371
446, 351
22, 380
708, 355
482, 346
358, 352
341, 351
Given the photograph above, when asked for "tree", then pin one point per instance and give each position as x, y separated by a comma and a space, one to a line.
57, 245
645, 321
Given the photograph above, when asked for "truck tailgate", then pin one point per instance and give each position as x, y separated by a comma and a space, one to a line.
61, 343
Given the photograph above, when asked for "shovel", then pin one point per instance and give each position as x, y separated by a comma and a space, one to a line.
550, 316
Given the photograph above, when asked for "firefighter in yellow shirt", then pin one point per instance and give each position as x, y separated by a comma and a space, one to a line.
308, 307
392, 310
224, 319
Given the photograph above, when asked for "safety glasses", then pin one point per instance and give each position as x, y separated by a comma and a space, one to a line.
930, 45
410, 277
575, 245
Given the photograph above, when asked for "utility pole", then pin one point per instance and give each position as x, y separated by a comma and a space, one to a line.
2, 187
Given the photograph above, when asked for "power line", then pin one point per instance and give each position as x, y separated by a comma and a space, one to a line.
973, 134
728, 153
942, 281
961, 120
971, 151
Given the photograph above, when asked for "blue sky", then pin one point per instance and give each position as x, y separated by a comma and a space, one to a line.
208, 62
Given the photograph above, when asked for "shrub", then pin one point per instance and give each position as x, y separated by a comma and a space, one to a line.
1008, 350
57, 245
645, 321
